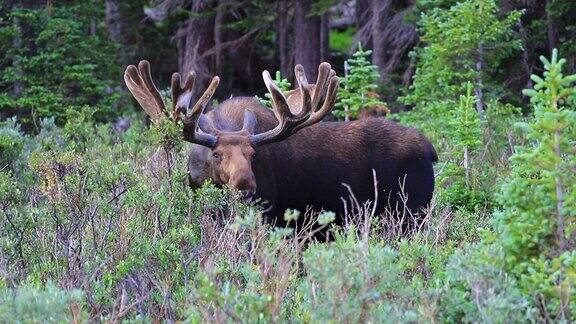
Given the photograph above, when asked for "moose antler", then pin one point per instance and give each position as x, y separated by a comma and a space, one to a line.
310, 112
140, 84
191, 116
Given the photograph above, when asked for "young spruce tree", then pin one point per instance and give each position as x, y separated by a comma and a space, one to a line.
357, 88
537, 223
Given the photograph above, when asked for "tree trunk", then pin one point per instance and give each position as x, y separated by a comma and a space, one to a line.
113, 20
194, 39
380, 11
479, 91
552, 30
306, 38
219, 37
282, 29
362, 17
325, 37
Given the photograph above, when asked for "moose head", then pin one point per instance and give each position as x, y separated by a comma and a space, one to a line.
232, 152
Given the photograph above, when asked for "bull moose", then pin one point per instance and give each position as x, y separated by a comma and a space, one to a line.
286, 156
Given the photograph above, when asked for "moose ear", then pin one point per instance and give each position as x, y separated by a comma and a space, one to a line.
249, 122
206, 125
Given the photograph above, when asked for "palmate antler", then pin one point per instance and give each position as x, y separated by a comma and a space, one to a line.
140, 84
312, 110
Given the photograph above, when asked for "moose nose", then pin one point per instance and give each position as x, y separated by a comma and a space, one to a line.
247, 195
246, 185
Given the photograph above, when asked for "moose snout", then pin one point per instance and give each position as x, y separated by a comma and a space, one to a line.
245, 184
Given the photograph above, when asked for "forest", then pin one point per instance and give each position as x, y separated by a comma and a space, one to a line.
101, 220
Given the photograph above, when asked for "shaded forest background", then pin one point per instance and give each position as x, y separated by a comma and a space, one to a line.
59, 53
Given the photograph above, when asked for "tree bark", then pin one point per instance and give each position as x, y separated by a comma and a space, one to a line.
479, 88
219, 36
113, 20
306, 38
325, 37
552, 29
282, 28
362, 21
362, 13
194, 39
380, 11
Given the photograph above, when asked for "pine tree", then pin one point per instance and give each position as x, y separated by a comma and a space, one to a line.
537, 224
357, 87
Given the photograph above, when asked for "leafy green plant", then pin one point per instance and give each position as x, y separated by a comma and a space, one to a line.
537, 222
463, 44
11, 143
341, 40
357, 88
475, 289
50, 304
282, 83
56, 63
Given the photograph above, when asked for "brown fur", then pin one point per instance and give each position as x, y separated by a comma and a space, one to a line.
309, 168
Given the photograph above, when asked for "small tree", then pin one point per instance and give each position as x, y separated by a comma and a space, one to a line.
537, 224
282, 83
466, 129
357, 89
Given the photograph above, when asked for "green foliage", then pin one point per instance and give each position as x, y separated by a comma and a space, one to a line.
465, 44
11, 143
351, 281
465, 132
341, 41
456, 39
357, 87
538, 217
55, 62
282, 83
465, 122
29, 304
474, 289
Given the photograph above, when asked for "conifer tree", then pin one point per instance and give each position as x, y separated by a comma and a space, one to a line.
537, 223
358, 86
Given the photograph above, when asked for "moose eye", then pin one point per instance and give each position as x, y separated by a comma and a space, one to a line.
217, 156
254, 157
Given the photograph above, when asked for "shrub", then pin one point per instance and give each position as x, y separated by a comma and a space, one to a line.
29, 304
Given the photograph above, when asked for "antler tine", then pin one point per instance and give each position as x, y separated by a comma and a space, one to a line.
326, 107
324, 74
139, 82
191, 116
144, 67
279, 104
304, 92
205, 99
182, 95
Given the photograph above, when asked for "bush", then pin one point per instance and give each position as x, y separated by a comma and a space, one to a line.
357, 89
50, 304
